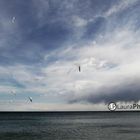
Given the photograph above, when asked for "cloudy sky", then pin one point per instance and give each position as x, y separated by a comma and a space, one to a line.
43, 42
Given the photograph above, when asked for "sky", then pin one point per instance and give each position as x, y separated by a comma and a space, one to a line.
43, 42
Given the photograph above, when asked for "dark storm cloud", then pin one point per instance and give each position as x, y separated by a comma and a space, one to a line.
126, 91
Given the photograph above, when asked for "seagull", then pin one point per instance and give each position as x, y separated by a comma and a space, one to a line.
13, 92
74, 69
30, 99
79, 68
13, 20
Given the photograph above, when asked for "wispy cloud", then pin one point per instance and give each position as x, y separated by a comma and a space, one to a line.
120, 6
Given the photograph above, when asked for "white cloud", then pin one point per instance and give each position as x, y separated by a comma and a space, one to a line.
78, 21
119, 7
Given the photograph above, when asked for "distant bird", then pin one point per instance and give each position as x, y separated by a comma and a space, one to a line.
75, 69
30, 99
13, 92
13, 20
79, 68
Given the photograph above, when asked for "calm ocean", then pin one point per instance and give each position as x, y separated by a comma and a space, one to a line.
70, 126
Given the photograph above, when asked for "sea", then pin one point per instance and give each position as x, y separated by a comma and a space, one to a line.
70, 125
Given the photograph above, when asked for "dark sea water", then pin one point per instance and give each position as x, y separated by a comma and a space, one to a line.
70, 126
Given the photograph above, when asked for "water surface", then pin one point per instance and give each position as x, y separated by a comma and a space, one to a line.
70, 126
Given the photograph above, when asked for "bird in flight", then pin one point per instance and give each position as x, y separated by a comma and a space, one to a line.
30, 99
13, 92
13, 20
79, 68
75, 69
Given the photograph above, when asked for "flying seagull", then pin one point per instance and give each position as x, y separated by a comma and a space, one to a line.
13, 92
30, 99
75, 69
79, 68
13, 20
